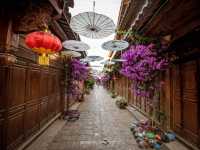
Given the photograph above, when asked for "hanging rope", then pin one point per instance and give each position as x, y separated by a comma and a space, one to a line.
94, 3
93, 24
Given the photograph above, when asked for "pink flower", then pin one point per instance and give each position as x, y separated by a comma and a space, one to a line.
143, 66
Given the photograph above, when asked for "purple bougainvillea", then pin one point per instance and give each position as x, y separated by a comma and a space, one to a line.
104, 79
77, 71
143, 65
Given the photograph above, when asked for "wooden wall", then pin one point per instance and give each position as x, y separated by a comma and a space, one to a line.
185, 100
179, 99
2, 109
31, 97
30, 94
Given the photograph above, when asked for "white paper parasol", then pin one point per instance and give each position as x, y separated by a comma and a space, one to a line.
75, 45
92, 25
70, 53
95, 58
115, 45
87, 60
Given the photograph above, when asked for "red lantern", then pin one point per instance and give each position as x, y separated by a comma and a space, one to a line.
43, 43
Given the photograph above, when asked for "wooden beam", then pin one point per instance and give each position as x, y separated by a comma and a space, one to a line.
185, 20
58, 30
34, 18
67, 21
56, 7
6, 34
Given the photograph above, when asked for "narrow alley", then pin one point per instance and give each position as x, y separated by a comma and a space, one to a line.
102, 126
99, 75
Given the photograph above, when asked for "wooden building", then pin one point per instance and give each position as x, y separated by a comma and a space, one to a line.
31, 96
176, 23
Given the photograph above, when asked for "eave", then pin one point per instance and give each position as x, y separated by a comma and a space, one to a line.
61, 24
172, 19
128, 12
176, 18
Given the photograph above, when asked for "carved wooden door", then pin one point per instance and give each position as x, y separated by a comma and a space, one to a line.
185, 100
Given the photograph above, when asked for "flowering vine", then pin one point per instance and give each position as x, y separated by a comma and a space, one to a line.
104, 79
143, 65
77, 72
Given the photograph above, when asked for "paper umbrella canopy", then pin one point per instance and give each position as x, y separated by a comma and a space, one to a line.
95, 58
115, 45
70, 53
87, 60
92, 25
91, 59
75, 45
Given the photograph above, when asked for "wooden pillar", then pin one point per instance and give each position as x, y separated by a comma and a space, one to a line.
6, 33
5, 40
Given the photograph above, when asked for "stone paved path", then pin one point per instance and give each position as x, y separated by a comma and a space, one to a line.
102, 126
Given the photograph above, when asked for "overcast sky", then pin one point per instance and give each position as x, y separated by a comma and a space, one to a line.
109, 8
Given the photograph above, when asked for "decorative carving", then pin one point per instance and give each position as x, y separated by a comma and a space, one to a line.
35, 18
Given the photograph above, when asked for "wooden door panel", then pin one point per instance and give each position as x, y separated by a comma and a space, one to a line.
28, 94
1, 132
190, 117
189, 75
56, 83
190, 100
15, 130
44, 84
177, 112
58, 103
176, 96
177, 116
51, 86
185, 101
3, 79
17, 86
43, 111
31, 121
51, 105
34, 86
190, 95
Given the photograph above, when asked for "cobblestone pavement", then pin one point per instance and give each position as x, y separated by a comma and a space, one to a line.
102, 126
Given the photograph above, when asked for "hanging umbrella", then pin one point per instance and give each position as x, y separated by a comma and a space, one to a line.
75, 45
70, 53
87, 60
92, 25
105, 62
115, 45
95, 58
